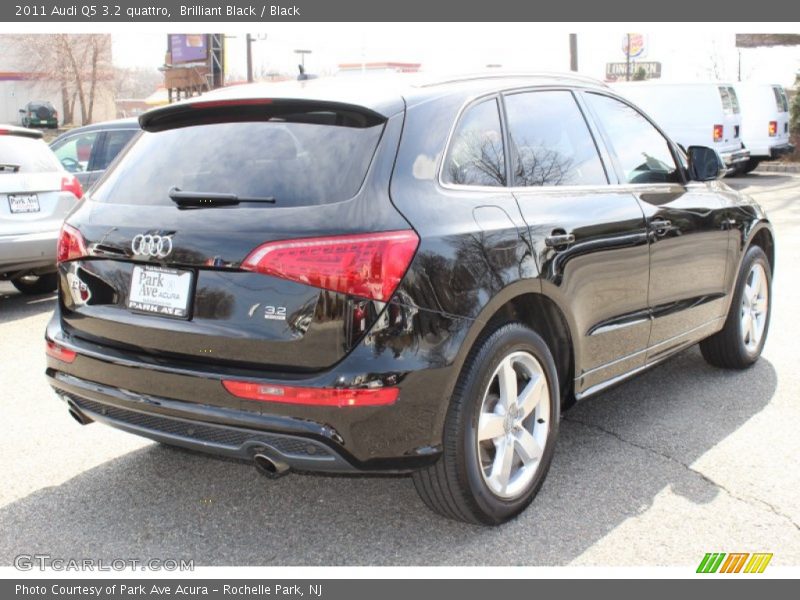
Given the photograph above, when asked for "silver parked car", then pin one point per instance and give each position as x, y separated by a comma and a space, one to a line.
36, 193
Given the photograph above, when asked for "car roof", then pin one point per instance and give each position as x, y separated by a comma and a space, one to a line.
383, 94
127, 123
20, 131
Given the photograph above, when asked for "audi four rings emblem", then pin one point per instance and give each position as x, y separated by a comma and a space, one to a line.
157, 246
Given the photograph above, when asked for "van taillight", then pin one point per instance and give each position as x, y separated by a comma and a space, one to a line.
70, 183
773, 128
718, 131
367, 265
71, 244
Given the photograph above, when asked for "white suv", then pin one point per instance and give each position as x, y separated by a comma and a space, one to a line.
36, 193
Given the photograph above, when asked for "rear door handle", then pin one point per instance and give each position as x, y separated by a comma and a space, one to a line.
559, 240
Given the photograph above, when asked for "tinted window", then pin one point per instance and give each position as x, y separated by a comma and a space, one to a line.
476, 155
75, 151
115, 141
551, 141
297, 163
25, 155
643, 152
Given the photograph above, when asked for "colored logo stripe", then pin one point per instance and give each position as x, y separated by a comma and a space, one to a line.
758, 562
713, 562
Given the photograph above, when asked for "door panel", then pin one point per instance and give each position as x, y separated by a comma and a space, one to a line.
600, 279
688, 259
590, 240
686, 225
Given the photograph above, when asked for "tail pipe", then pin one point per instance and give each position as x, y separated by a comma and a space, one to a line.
269, 467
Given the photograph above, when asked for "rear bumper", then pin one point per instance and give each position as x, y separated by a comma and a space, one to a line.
28, 251
188, 406
298, 452
782, 150
735, 157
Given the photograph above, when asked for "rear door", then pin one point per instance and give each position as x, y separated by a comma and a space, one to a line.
686, 223
590, 237
729, 140
782, 107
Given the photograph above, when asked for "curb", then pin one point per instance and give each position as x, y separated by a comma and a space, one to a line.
779, 167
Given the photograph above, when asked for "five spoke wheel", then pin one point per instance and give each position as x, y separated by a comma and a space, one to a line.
513, 424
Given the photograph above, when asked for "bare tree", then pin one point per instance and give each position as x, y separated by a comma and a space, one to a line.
136, 82
78, 65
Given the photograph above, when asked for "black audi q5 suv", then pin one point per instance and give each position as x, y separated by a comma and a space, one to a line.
398, 277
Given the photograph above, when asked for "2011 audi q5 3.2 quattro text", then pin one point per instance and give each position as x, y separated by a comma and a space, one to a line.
398, 277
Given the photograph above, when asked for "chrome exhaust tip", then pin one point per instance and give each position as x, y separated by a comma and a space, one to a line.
269, 467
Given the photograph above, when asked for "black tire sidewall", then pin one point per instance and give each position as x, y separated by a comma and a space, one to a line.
509, 338
44, 284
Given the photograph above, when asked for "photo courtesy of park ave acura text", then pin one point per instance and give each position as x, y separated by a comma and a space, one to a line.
311, 292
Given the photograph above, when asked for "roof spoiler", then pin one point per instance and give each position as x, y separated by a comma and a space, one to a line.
240, 110
20, 131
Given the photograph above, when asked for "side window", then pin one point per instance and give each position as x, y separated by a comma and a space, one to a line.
476, 155
116, 140
75, 151
551, 142
642, 151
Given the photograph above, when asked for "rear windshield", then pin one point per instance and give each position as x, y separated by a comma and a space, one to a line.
781, 102
26, 155
297, 163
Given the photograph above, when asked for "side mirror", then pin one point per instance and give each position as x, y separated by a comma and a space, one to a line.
705, 164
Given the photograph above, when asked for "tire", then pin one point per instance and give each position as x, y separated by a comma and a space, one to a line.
749, 166
463, 484
32, 285
733, 347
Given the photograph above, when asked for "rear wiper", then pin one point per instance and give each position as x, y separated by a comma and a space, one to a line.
211, 199
8, 168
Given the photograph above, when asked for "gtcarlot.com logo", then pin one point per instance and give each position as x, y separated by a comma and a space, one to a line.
734, 562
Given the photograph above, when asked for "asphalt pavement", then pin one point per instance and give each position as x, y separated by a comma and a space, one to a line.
685, 459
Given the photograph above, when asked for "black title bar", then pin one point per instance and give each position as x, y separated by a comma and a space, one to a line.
129, 11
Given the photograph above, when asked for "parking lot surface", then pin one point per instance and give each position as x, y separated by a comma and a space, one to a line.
685, 459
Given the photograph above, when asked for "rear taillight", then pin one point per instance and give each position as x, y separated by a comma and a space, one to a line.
773, 128
718, 131
70, 183
337, 397
369, 265
71, 244
59, 352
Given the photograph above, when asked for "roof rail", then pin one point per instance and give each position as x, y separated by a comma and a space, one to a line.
515, 75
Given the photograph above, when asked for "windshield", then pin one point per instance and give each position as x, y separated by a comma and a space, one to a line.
297, 163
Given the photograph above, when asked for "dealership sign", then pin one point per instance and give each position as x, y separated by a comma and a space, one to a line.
617, 70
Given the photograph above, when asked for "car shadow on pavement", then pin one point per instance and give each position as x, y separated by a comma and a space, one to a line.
14, 305
616, 452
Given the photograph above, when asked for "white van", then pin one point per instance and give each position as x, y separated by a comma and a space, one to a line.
765, 122
693, 114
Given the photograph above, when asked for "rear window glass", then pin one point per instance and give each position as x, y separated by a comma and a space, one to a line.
297, 163
781, 102
730, 102
26, 155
